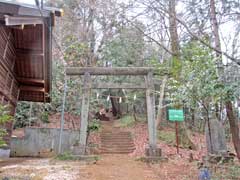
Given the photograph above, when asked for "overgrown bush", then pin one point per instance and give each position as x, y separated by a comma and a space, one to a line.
44, 117
4, 117
230, 171
127, 121
94, 125
65, 156
167, 136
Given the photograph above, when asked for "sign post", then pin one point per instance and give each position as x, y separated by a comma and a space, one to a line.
177, 140
176, 115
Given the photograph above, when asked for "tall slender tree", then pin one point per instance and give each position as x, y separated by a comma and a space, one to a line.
229, 106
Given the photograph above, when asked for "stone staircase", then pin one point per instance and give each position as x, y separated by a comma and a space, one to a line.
115, 141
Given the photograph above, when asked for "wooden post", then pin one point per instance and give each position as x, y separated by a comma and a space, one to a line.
84, 113
152, 131
30, 114
62, 116
177, 138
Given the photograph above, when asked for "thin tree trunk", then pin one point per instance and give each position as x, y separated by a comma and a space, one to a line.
234, 128
160, 105
192, 118
30, 114
217, 41
134, 113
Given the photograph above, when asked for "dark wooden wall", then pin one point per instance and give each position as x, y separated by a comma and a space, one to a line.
9, 89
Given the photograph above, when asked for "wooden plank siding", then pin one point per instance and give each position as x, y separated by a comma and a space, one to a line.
9, 87
25, 55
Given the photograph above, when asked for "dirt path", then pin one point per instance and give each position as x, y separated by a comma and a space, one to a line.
119, 167
109, 167
123, 167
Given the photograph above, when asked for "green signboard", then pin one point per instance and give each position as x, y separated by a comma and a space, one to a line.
175, 115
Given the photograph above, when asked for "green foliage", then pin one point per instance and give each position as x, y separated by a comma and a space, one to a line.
198, 82
167, 136
4, 118
44, 117
231, 171
176, 67
94, 125
76, 52
126, 49
199, 79
22, 114
161, 68
127, 121
67, 156
26, 116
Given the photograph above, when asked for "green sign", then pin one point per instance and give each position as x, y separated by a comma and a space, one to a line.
175, 115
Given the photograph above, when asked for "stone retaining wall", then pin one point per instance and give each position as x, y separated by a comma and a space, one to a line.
42, 141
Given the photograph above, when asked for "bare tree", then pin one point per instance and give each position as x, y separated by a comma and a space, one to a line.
229, 107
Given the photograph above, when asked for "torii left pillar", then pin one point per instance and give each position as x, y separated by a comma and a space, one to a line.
86, 91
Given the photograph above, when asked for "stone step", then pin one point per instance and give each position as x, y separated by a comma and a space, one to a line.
116, 136
116, 133
116, 139
117, 149
112, 137
116, 152
116, 142
118, 145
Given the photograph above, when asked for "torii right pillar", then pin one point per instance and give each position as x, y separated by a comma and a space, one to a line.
152, 150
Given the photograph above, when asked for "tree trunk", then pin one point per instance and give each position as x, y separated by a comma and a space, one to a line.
134, 113
173, 29
216, 36
184, 138
232, 119
116, 108
234, 128
192, 118
160, 109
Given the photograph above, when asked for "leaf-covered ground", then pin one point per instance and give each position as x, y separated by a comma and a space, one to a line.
123, 167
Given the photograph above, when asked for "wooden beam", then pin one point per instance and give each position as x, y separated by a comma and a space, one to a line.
22, 10
8, 96
105, 85
30, 80
71, 71
15, 21
32, 88
24, 52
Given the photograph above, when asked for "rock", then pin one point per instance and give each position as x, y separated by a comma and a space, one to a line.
217, 145
157, 153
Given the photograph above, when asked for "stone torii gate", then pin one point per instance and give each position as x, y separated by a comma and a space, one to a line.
148, 86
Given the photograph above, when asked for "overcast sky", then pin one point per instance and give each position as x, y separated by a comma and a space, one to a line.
225, 30
24, 1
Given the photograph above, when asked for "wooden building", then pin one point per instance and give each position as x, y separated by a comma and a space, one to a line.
25, 54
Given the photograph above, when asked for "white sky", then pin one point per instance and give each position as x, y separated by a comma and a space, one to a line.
24, 1
226, 30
